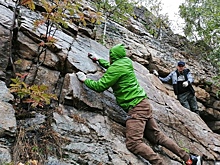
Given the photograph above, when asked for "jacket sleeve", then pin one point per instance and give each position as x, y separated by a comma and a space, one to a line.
109, 78
105, 64
189, 76
166, 79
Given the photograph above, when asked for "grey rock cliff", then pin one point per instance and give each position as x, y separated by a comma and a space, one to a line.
92, 123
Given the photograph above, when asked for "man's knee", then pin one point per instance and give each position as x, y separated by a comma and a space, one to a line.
186, 105
134, 146
131, 146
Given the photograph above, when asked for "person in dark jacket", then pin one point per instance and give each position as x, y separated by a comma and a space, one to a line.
182, 84
132, 98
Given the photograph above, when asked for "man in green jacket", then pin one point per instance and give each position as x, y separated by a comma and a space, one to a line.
132, 98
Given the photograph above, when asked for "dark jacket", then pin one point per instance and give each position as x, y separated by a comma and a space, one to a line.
174, 75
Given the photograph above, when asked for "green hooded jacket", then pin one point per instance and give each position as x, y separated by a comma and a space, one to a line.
121, 77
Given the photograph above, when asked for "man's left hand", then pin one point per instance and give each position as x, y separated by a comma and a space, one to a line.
81, 76
185, 83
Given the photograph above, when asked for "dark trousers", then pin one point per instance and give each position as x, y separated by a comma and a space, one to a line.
188, 100
142, 124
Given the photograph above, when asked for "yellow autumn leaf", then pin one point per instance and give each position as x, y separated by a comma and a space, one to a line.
33, 162
29, 3
21, 163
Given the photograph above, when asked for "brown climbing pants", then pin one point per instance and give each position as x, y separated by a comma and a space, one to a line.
142, 124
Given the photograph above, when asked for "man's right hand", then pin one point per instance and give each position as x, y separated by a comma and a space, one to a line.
93, 57
155, 73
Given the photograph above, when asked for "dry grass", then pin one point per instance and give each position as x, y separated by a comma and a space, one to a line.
34, 145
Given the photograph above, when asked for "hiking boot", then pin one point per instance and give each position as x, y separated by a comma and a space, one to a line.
194, 160
197, 112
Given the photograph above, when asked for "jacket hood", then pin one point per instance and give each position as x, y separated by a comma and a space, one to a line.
117, 52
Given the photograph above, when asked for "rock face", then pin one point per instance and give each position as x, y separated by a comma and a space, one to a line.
92, 122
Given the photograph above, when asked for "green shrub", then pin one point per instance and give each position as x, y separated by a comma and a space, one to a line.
35, 94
